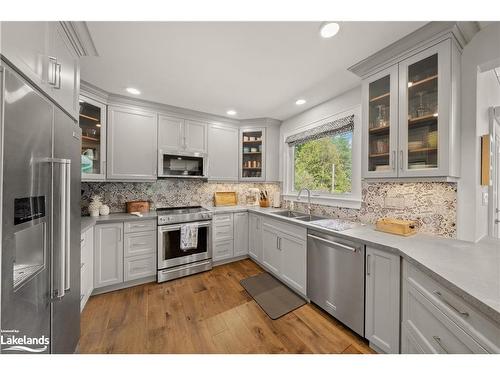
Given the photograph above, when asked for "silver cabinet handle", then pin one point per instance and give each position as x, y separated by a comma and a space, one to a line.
53, 80
333, 243
279, 243
438, 340
393, 160
368, 267
440, 295
139, 244
58, 71
401, 159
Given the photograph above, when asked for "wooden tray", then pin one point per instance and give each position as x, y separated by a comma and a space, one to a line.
396, 226
225, 198
137, 206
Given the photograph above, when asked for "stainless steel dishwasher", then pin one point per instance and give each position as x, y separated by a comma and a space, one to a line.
336, 278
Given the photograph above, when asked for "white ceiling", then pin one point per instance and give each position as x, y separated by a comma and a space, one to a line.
257, 68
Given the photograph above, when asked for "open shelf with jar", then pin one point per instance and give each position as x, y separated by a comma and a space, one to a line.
92, 121
252, 154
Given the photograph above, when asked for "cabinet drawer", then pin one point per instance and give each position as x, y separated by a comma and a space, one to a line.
140, 226
424, 320
481, 328
223, 219
223, 250
139, 266
140, 243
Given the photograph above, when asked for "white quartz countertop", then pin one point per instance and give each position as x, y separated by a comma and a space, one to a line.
88, 221
471, 270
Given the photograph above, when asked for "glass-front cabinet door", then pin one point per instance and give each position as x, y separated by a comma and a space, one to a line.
380, 93
252, 154
425, 87
93, 152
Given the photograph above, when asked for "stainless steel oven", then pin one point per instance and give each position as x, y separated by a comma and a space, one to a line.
174, 262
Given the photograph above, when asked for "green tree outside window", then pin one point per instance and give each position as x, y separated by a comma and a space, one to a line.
324, 164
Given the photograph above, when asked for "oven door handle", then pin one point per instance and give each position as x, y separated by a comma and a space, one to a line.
169, 228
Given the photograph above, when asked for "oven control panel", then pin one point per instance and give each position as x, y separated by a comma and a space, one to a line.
184, 218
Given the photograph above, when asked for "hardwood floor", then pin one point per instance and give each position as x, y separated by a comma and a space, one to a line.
207, 313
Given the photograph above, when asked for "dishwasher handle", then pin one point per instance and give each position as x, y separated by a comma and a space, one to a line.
332, 243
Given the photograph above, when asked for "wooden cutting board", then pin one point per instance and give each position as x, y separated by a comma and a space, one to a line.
225, 198
396, 226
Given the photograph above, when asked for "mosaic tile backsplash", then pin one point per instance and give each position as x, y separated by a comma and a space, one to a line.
431, 204
165, 193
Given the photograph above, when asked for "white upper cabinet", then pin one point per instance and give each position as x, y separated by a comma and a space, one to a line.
380, 124
92, 120
43, 53
24, 45
181, 135
131, 144
426, 123
63, 70
410, 116
222, 153
195, 136
170, 133
253, 154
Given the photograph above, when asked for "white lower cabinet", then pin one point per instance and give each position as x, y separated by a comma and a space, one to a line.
108, 254
230, 238
271, 254
284, 252
124, 252
255, 237
240, 230
435, 320
87, 266
382, 299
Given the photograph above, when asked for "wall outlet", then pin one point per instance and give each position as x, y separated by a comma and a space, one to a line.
395, 202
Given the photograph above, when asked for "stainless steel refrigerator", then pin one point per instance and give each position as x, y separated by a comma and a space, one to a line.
40, 249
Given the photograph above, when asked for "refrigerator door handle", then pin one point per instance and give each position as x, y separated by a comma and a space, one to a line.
61, 280
67, 227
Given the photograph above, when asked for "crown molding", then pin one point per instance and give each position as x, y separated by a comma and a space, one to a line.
79, 37
429, 34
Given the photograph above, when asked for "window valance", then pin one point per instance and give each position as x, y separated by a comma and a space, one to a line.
329, 129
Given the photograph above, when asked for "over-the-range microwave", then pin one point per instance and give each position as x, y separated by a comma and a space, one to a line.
182, 164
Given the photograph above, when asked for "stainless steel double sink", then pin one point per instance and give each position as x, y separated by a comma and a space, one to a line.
297, 215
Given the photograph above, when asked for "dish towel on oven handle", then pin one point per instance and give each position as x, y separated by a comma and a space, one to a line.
189, 236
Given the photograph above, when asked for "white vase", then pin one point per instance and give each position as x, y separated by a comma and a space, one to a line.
93, 213
95, 204
103, 210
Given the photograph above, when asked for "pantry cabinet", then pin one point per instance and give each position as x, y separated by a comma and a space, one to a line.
131, 144
410, 116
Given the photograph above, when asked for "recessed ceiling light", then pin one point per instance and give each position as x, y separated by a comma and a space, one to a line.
300, 101
329, 29
133, 91
231, 112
